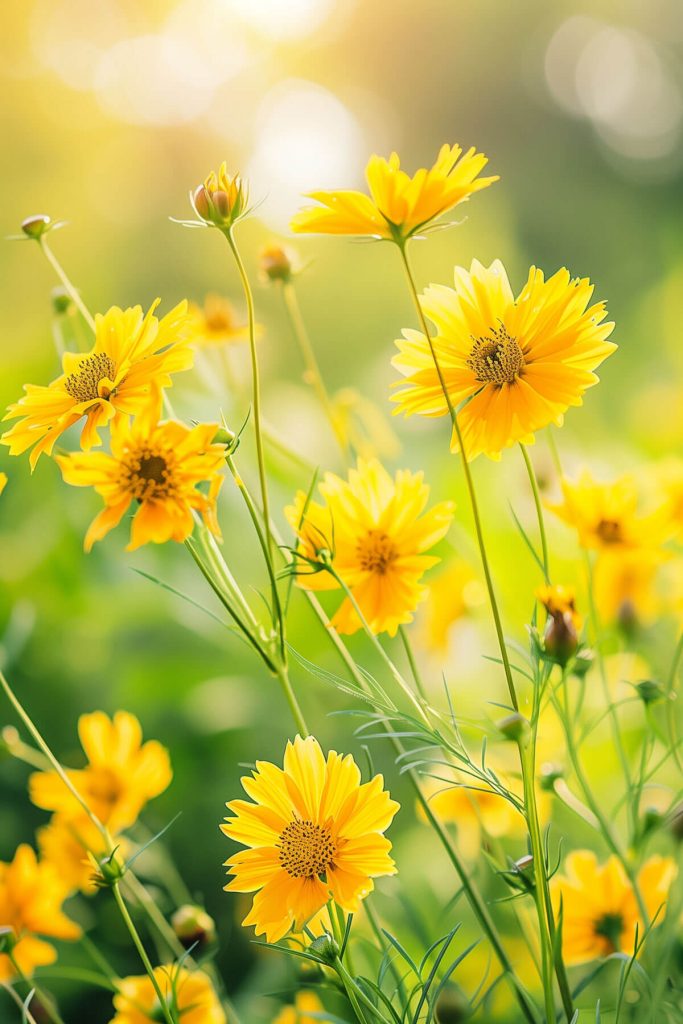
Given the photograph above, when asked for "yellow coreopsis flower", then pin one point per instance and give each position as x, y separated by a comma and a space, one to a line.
31, 897
305, 1003
66, 841
453, 594
624, 585
216, 323
599, 907
122, 773
131, 361
521, 361
606, 515
314, 833
398, 206
376, 532
473, 809
190, 996
158, 466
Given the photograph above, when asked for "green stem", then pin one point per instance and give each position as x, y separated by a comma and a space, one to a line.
410, 655
356, 995
27, 1016
670, 699
539, 509
46, 1001
313, 375
384, 947
169, 1017
69, 288
283, 676
468, 480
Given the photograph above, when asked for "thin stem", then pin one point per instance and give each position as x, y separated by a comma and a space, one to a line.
410, 655
27, 1016
469, 481
46, 1001
539, 509
169, 1017
670, 699
384, 946
313, 375
283, 675
71, 291
356, 995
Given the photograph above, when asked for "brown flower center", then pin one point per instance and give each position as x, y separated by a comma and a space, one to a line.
376, 552
609, 531
496, 359
148, 475
84, 385
306, 849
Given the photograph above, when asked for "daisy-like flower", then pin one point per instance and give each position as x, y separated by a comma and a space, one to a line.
624, 583
521, 361
66, 841
216, 323
131, 362
454, 594
375, 531
121, 775
600, 910
31, 897
314, 833
189, 995
606, 516
158, 466
475, 811
305, 1003
398, 206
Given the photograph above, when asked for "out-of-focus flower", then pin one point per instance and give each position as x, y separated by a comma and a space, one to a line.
65, 843
667, 478
222, 200
157, 465
31, 897
194, 927
606, 515
561, 636
131, 361
364, 425
3, 482
398, 206
305, 1003
453, 594
473, 809
624, 585
521, 361
189, 995
314, 833
216, 323
599, 906
277, 263
122, 773
375, 534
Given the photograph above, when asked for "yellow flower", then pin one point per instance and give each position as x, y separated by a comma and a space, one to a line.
216, 323
453, 594
190, 995
305, 1003
667, 478
398, 206
122, 773
606, 515
600, 910
521, 361
473, 811
158, 466
3, 482
31, 897
624, 585
377, 535
131, 361
221, 200
65, 843
314, 833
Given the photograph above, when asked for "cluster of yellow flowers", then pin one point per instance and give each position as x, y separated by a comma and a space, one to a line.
502, 366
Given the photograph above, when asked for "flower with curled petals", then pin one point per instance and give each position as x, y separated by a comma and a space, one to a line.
313, 833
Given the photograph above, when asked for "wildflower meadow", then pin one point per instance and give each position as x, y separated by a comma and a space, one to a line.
340, 642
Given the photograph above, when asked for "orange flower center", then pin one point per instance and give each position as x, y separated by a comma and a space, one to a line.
148, 475
497, 359
84, 385
376, 552
609, 531
306, 849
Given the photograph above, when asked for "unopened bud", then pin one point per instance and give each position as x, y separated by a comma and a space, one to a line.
560, 638
194, 927
514, 727
275, 263
583, 662
34, 227
8, 939
61, 301
550, 774
325, 947
650, 691
224, 436
202, 203
108, 870
651, 820
452, 1007
9, 737
525, 866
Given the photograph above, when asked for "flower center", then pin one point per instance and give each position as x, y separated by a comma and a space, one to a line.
609, 531
147, 475
497, 359
84, 385
306, 849
610, 927
376, 552
104, 786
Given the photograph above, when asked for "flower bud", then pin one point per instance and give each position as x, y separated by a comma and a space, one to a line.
325, 947
108, 870
525, 866
514, 727
561, 636
194, 927
276, 263
650, 691
34, 227
452, 1007
550, 774
62, 302
8, 939
225, 436
221, 200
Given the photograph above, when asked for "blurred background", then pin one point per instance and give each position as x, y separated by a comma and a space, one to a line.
111, 111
